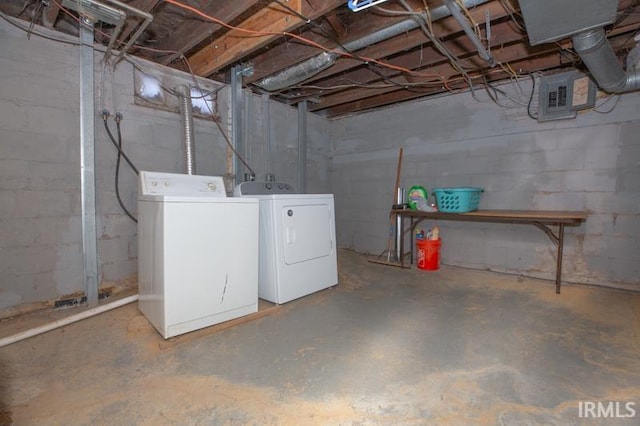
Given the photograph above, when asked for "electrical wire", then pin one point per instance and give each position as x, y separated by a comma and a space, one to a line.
195, 80
105, 116
370, 66
34, 18
38, 33
216, 120
625, 13
121, 154
117, 173
533, 91
512, 14
427, 29
257, 33
204, 94
615, 104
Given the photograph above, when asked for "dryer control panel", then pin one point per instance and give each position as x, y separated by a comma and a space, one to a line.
263, 188
155, 183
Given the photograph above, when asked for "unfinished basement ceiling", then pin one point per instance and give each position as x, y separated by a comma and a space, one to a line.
341, 61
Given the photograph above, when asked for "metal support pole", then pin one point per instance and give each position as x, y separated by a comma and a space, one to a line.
87, 161
237, 112
266, 134
399, 200
559, 266
302, 146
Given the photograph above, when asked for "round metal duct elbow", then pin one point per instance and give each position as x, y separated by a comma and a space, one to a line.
597, 54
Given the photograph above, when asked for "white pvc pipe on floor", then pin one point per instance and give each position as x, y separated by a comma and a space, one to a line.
5, 341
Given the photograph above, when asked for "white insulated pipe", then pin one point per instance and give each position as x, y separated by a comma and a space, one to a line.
5, 341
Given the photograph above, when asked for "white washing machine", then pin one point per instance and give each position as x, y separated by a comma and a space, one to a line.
297, 240
197, 252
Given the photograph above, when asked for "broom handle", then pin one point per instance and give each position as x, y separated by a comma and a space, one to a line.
398, 170
395, 194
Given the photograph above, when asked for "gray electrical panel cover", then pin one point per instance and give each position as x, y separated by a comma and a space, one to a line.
561, 96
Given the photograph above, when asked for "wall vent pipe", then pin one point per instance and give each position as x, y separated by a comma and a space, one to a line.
321, 62
186, 112
599, 57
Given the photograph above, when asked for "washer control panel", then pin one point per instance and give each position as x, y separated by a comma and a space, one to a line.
155, 183
263, 188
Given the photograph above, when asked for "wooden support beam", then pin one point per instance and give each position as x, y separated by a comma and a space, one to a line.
443, 28
272, 21
545, 59
429, 57
191, 33
50, 14
339, 29
279, 57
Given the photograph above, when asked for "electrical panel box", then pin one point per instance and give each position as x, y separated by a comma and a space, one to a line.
561, 96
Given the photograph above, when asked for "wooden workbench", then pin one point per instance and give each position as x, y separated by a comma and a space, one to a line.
541, 219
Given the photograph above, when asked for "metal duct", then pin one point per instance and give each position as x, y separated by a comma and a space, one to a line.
385, 33
584, 21
319, 63
186, 112
298, 73
597, 54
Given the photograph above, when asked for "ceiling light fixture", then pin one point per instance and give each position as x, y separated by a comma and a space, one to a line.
358, 5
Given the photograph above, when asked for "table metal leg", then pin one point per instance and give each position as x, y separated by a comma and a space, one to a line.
559, 266
401, 249
411, 241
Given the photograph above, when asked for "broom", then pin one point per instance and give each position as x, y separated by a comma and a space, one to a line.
392, 224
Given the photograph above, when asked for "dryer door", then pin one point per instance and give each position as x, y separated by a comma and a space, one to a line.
307, 230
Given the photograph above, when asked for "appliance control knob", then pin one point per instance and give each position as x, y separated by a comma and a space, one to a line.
287, 187
268, 185
289, 213
280, 186
211, 186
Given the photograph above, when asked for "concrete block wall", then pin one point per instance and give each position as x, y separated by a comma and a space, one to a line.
40, 214
590, 163
271, 143
152, 139
40, 251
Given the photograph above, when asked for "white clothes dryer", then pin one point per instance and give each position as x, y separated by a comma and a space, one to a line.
297, 241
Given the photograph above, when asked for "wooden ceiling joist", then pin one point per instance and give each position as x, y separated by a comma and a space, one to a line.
191, 34
256, 31
132, 23
274, 19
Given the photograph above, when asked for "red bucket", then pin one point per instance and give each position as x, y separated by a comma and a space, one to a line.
428, 254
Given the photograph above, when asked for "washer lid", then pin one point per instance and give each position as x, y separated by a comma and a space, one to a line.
173, 184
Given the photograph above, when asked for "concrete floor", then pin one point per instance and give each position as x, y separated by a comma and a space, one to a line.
386, 346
